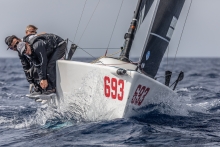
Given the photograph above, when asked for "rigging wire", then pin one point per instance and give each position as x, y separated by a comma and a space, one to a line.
95, 48
86, 28
96, 59
114, 27
80, 20
88, 22
182, 34
84, 50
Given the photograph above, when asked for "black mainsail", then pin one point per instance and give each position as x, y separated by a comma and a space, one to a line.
160, 35
154, 23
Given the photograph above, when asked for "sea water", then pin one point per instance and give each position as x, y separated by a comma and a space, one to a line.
190, 119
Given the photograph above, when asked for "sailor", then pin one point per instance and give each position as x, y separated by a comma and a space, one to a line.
31, 29
30, 32
41, 51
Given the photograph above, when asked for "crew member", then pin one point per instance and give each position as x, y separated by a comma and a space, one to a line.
42, 52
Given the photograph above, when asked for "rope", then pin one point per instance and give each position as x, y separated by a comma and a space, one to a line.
88, 22
114, 54
79, 21
114, 26
181, 34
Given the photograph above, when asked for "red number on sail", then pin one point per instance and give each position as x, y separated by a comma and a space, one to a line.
111, 87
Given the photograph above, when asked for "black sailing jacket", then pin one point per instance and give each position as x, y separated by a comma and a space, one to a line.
42, 48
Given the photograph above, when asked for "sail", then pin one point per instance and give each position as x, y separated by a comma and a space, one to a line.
144, 10
144, 23
167, 14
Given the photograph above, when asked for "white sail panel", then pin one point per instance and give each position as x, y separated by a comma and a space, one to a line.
144, 27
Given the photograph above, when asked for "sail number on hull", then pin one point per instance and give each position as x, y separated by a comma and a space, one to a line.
139, 95
114, 88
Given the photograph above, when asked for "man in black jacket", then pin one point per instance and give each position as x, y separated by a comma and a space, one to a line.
40, 52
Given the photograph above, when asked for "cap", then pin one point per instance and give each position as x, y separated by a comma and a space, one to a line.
21, 47
8, 41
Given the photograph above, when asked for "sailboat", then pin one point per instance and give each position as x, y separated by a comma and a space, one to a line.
117, 85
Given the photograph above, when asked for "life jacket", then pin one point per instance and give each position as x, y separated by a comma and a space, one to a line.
51, 40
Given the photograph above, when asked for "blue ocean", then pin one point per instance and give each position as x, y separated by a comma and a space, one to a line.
190, 119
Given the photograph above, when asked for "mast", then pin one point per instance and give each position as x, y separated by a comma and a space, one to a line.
129, 37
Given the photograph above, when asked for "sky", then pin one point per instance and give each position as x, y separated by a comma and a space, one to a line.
200, 37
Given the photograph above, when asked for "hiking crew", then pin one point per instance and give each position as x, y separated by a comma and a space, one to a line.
39, 53
31, 29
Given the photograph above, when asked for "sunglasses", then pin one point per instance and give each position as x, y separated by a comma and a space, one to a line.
14, 47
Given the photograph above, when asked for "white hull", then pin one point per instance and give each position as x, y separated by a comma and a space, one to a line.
99, 91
